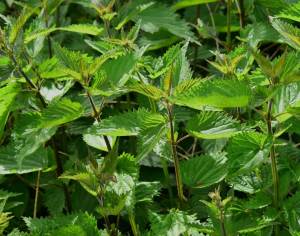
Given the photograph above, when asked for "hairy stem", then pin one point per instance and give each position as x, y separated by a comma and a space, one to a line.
175, 155
36, 198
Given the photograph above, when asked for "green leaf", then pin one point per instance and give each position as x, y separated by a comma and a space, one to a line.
290, 33
181, 68
60, 112
188, 3
120, 69
213, 125
76, 28
207, 170
87, 180
291, 12
13, 161
18, 25
147, 90
126, 124
84, 223
251, 182
163, 64
152, 21
286, 98
25, 152
262, 32
73, 62
8, 94
130, 10
54, 199
97, 141
217, 93
5, 217
175, 223
145, 191
149, 138
246, 151
292, 211
5, 68
259, 200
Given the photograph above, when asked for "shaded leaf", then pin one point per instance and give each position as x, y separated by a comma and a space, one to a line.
247, 150
207, 170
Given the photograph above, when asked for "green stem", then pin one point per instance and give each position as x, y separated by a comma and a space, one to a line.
133, 225
228, 37
106, 219
28, 80
97, 117
242, 13
275, 176
223, 230
100, 198
175, 155
36, 198
273, 156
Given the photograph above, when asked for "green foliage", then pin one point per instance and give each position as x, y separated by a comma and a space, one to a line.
78, 224
174, 223
176, 117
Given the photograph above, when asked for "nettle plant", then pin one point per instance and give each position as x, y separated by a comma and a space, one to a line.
120, 118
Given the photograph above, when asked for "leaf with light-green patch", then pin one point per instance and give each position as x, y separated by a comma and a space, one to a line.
127, 124
290, 33
213, 125
8, 94
75, 28
217, 93
60, 112
188, 3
